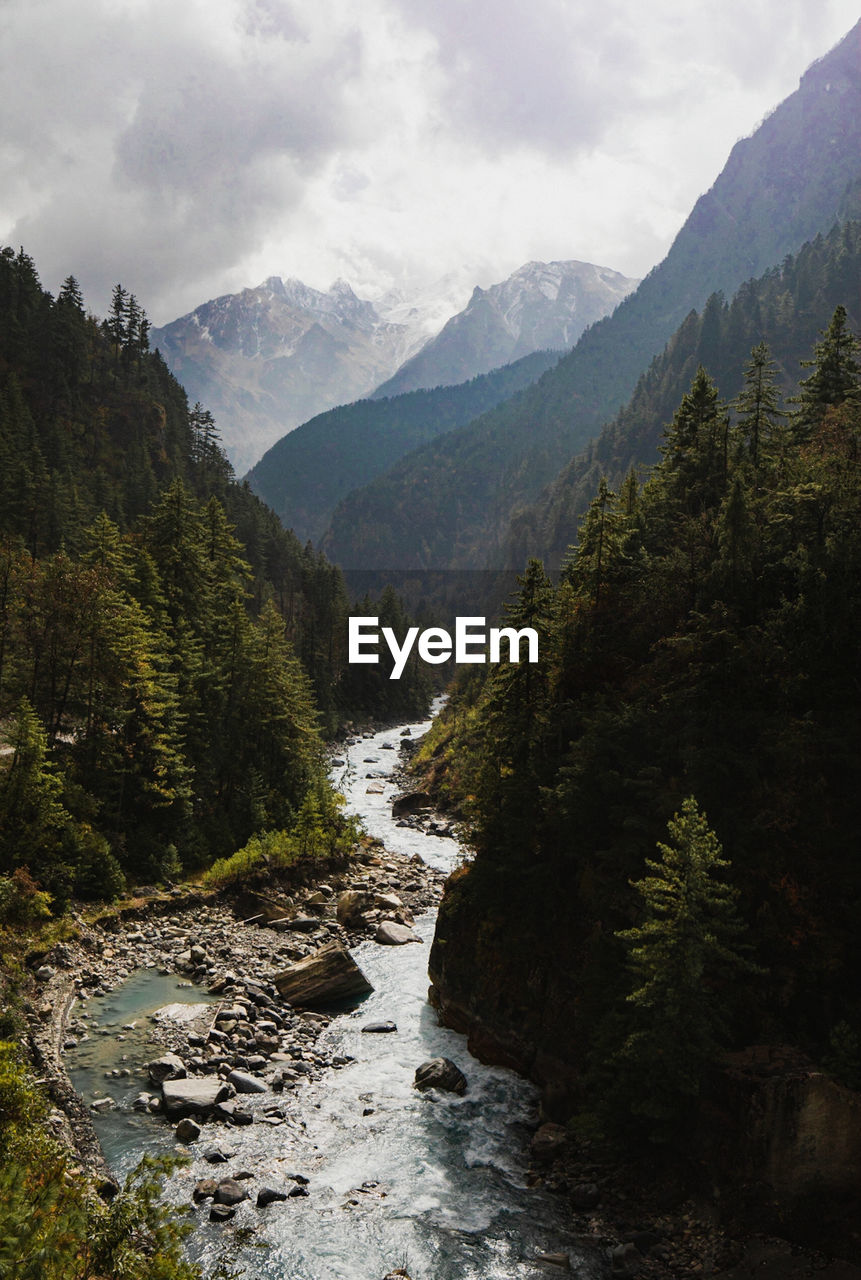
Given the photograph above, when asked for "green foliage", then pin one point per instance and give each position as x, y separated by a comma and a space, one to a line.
169, 655
53, 1225
683, 958
702, 640
319, 830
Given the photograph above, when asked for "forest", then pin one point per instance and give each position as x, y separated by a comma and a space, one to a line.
171, 658
672, 787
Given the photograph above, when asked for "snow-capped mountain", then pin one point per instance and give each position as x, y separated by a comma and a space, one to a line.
266, 359
542, 305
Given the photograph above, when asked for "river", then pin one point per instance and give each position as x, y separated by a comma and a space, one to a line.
433, 1183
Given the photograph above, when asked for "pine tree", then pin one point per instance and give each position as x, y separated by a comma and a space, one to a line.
836, 375
681, 958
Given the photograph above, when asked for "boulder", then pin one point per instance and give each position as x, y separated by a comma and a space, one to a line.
221, 1213
548, 1142
326, 977
168, 1067
379, 1028
203, 1189
229, 1192
244, 1083
187, 1131
440, 1073
267, 1195
197, 1097
392, 934
352, 905
412, 802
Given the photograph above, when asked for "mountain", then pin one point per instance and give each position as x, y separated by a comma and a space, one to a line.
543, 305
784, 308
450, 503
305, 475
266, 359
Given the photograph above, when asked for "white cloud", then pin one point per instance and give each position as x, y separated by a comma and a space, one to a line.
191, 149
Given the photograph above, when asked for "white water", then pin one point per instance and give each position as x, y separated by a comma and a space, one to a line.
432, 1182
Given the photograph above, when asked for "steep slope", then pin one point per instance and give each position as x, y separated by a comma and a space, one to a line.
783, 308
450, 504
306, 474
266, 359
543, 305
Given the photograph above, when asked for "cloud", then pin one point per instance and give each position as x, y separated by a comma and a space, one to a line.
187, 150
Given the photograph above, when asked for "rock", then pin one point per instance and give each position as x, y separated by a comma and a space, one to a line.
168, 1067
326, 977
392, 934
243, 1083
141, 1102
267, 1195
229, 1192
586, 1195
297, 1192
379, 1028
406, 733
555, 1260
440, 1073
203, 1189
388, 901
44, 973
187, 1131
625, 1260
412, 802
103, 1104
194, 1097
352, 905
221, 1213
217, 1155
374, 789
303, 924
548, 1142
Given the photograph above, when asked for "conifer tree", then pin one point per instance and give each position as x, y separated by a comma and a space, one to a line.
682, 958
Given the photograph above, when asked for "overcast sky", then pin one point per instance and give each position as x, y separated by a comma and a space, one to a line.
188, 149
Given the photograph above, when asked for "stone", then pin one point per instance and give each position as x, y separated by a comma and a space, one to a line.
168, 1067
203, 1189
303, 924
548, 1142
297, 1192
221, 1213
379, 1028
412, 802
625, 1260
392, 934
217, 1155
352, 905
103, 1104
555, 1260
586, 1195
244, 1083
374, 789
327, 976
229, 1192
440, 1073
44, 973
268, 1195
187, 1131
194, 1097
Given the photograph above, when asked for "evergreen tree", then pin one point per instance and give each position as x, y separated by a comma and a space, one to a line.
682, 957
836, 375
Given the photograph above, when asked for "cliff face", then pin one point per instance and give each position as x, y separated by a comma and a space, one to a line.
508, 987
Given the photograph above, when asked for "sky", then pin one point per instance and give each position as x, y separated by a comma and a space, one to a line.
192, 149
